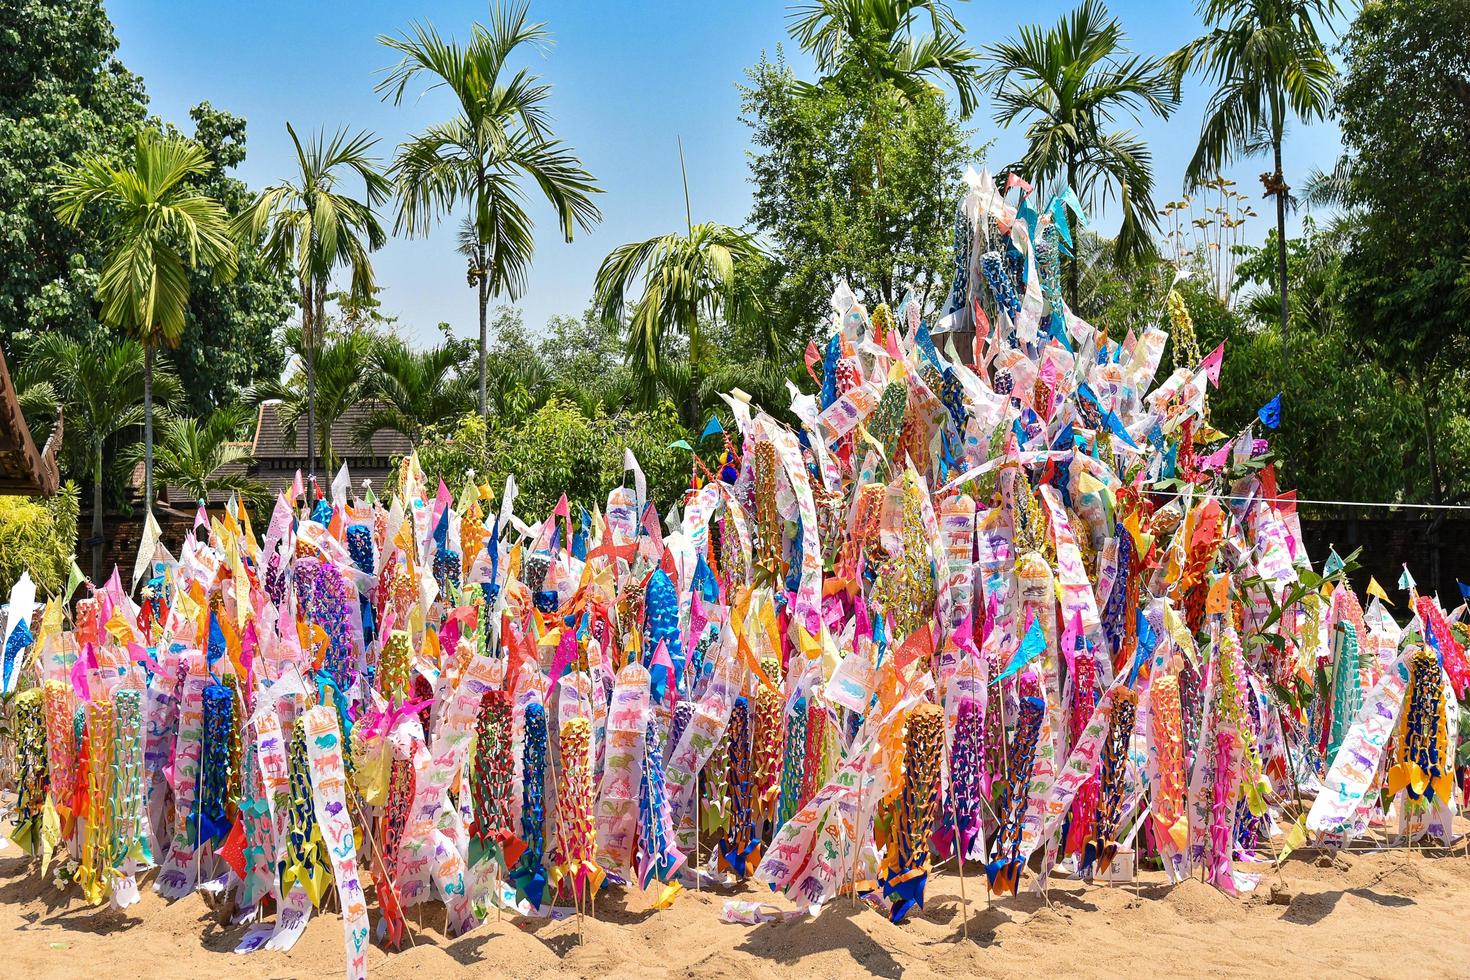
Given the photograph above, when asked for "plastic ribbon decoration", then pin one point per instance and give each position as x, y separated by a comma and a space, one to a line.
529, 873
1423, 769
31, 777
906, 863
210, 817
576, 829
1003, 872
303, 863
739, 849
492, 789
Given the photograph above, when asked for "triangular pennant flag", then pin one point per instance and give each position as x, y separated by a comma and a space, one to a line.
1406, 581
1374, 589
1212, 363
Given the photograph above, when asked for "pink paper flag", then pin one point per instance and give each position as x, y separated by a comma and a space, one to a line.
1211, 364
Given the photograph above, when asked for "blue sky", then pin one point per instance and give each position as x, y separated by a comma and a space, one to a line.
629, 78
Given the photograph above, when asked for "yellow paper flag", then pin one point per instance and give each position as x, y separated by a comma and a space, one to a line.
1375, 589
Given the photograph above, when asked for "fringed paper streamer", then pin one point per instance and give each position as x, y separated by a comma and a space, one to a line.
31, 778
1347, 695
768, 524
323, 744
766, 747
1423, 768
1103, 846
211, 820
793, 761
393, 667
395, 816
237, 744
906, 864
714, 811
812, 775
529, 874
492, 786
92, 874
739, 848
304, 863
1191, 703
446, 570
679, 721
61, 753
657, 855
326, 606
963, 826
1004, 870
1168, 799
129, 850
1000, 284
1222, 813
576, 832
1080, 823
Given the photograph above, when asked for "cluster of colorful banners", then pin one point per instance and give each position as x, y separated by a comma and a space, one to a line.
1019, 605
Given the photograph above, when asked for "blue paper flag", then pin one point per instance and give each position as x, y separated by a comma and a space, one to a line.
1270, 413
711, 427
1031, 646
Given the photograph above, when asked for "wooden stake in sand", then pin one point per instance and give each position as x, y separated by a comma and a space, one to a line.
959, 841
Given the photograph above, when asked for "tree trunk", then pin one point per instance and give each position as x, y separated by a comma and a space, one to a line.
484, 306
320, 318
307, 341
1073, 273
1280, 231
97, 514
148, 426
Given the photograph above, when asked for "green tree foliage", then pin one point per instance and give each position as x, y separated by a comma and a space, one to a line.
415, 389
852, 181
191, 454
498, 139
233, 336
63, 96
557, 449
1267, 63
1404, 108
100, 390
1067, 84
38, 535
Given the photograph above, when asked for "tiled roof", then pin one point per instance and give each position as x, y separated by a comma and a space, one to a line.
271, 442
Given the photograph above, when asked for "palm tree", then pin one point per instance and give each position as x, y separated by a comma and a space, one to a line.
101, 389
338, 385
683, 278
413, 390
311, 230
879, 38
1267, 61
1069, 83
192, 454
498, 138
159, 228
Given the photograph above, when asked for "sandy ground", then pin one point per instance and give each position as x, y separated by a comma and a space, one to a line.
1387, 914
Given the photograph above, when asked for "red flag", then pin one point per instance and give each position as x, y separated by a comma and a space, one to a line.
812, 357
1015, 180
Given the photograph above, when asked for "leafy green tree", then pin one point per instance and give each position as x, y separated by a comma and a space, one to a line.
681, 280
879, 40
38, 535
159, 229
1267, 63
1404, 109
318, 401
234, 333
1068, 84
312, 229
100, 387
498, 139
192, 453
415, 389
63, 96
851, 182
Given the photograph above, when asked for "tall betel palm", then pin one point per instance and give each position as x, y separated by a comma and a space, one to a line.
202, 457
311, 230
683, 277
1267, 61
498, 137
159, 228
1068, 84
880, 39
